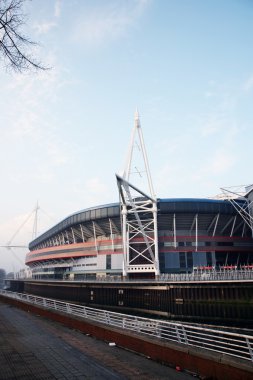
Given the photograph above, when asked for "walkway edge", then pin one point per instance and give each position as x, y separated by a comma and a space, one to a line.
207, 364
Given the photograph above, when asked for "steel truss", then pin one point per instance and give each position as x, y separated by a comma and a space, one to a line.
244, 209
138, 217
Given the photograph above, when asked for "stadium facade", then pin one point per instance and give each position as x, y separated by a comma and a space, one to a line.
192, 233
142, 236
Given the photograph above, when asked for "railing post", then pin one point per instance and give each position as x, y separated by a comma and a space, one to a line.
185, 335
181, 335
107, 317
68, 308
250, 349
84, 312
178, 334
158, 330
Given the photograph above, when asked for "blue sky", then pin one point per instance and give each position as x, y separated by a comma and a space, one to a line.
188, 67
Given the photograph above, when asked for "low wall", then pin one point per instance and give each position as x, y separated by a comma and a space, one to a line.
207, 364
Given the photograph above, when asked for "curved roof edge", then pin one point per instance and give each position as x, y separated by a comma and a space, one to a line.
181, 205
206, 200
76, 217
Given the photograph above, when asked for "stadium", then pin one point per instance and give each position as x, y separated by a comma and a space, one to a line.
143, 236
192, 233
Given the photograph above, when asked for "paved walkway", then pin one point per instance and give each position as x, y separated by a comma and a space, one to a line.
32, 347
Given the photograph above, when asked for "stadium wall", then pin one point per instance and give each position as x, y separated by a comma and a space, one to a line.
192, 234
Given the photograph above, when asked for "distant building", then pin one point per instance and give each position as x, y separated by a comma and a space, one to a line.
23, 273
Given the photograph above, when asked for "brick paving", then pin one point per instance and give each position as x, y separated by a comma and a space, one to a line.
32, 347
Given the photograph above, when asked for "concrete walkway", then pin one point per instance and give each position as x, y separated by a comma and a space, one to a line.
32, 347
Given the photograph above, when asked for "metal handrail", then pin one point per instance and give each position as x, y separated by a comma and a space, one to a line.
224, 342
207, 276
199, 275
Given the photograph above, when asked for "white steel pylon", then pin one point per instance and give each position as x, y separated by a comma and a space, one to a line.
138, 215
244, 208
35, 223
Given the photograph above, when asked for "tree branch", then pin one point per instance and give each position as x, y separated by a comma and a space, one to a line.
13, 44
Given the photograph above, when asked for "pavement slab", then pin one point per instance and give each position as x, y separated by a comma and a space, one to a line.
33, 347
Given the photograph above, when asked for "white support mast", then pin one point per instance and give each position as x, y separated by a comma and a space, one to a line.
138, 215
35, 223
236, 195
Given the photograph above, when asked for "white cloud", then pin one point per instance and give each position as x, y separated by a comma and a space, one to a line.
24, 126
44, 27
57, 153
213, 124
57, 8
179, 178
221, 162
201, 155
248, 85
17, 230
30, 130
209, 94
95, 186
44, 175
107, 22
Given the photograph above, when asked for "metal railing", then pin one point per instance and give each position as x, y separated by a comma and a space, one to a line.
223, 342
213, 275
196, 276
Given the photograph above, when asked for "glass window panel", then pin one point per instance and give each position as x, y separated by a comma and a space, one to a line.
182, 260
172, 260
189, 260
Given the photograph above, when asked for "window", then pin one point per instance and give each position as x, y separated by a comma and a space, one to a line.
189, 260
182, 261
171, 260
170, 244
198, 243
225, 243
209, 259
108, 261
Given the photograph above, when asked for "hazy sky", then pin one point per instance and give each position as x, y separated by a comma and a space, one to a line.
186, 64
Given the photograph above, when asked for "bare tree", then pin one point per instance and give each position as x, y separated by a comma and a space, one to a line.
14, 45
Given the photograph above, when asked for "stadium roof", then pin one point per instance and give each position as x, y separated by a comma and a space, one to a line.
112, 210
